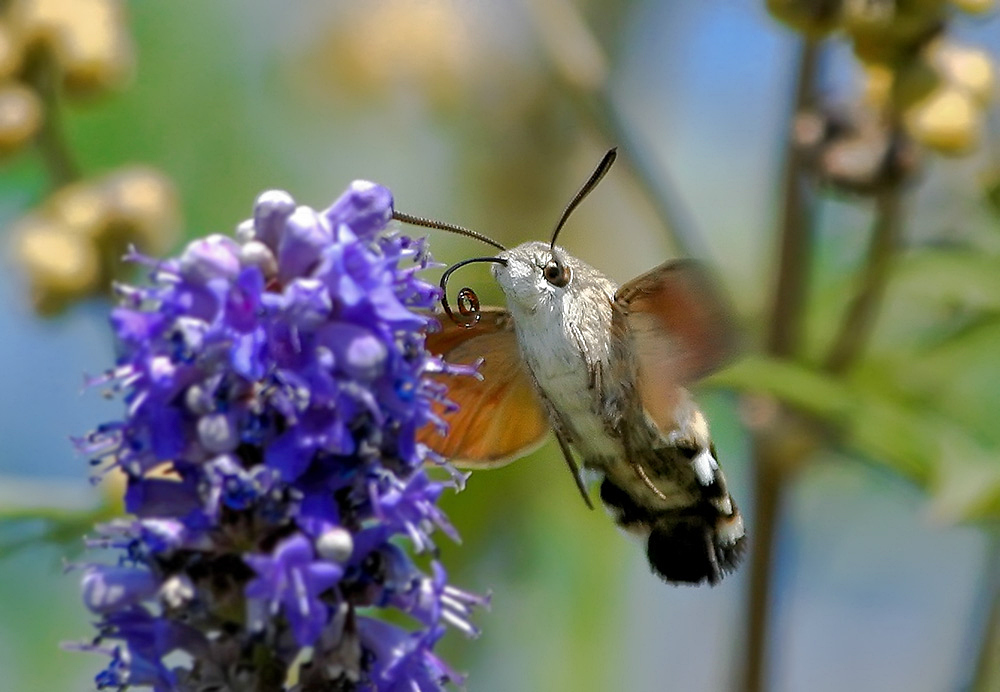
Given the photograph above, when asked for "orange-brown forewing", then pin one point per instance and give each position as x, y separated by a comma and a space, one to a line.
499, 417
681, 328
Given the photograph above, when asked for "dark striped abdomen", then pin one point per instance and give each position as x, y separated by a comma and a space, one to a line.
701, 540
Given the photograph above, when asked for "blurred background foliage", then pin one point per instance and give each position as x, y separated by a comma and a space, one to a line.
836, 163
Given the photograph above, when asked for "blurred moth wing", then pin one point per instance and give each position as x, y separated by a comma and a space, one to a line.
681, 329
499, 417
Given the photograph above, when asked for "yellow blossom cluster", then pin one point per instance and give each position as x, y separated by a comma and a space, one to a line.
82, 45
938, 89
71, 246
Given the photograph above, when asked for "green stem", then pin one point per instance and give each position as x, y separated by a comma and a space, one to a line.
772, 465
859, 320
42, 73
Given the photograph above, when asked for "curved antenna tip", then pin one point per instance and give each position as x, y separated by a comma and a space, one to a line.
602, 168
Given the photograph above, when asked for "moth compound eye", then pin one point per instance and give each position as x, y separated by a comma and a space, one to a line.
556, 274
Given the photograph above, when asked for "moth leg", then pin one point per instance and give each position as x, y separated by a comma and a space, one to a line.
573, 468
637, 467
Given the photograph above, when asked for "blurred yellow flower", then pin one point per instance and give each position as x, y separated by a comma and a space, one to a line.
61, 265
89, 39
948, 120
418, 44
966, 68
71, 247
20, 116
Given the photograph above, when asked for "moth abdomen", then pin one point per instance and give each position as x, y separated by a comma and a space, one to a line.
690, 546
692, 542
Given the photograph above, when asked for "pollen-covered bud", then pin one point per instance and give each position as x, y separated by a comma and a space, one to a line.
256, 254
941, 92
336, 545
372, 48
62, 266
217, 433
20, 116
177, 591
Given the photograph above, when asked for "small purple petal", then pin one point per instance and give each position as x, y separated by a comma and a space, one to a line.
306, 235
359, 353
270, 212
151, 497
107, 589
214, 257
365, 208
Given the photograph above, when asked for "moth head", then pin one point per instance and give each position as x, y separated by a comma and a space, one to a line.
536, 274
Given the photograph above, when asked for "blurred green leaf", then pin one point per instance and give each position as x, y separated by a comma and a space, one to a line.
960, 471
957, 378
867, 422
813, 392
966, 485
963, 278
991, 192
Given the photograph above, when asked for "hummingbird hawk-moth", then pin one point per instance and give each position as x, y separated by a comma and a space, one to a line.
605, 368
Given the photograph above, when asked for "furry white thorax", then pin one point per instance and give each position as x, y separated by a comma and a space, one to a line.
564, 336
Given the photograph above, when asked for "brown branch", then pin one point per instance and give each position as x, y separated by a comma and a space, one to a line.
987, 671
795, 249
772, 460
42, 74
859, 320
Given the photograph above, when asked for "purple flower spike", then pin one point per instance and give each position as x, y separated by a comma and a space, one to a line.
274, 384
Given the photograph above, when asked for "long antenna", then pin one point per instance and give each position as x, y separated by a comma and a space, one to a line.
602, 168
442, 226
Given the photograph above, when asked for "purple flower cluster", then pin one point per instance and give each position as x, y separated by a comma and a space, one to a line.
274, 385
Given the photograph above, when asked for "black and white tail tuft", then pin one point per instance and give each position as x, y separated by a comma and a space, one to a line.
691, 542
